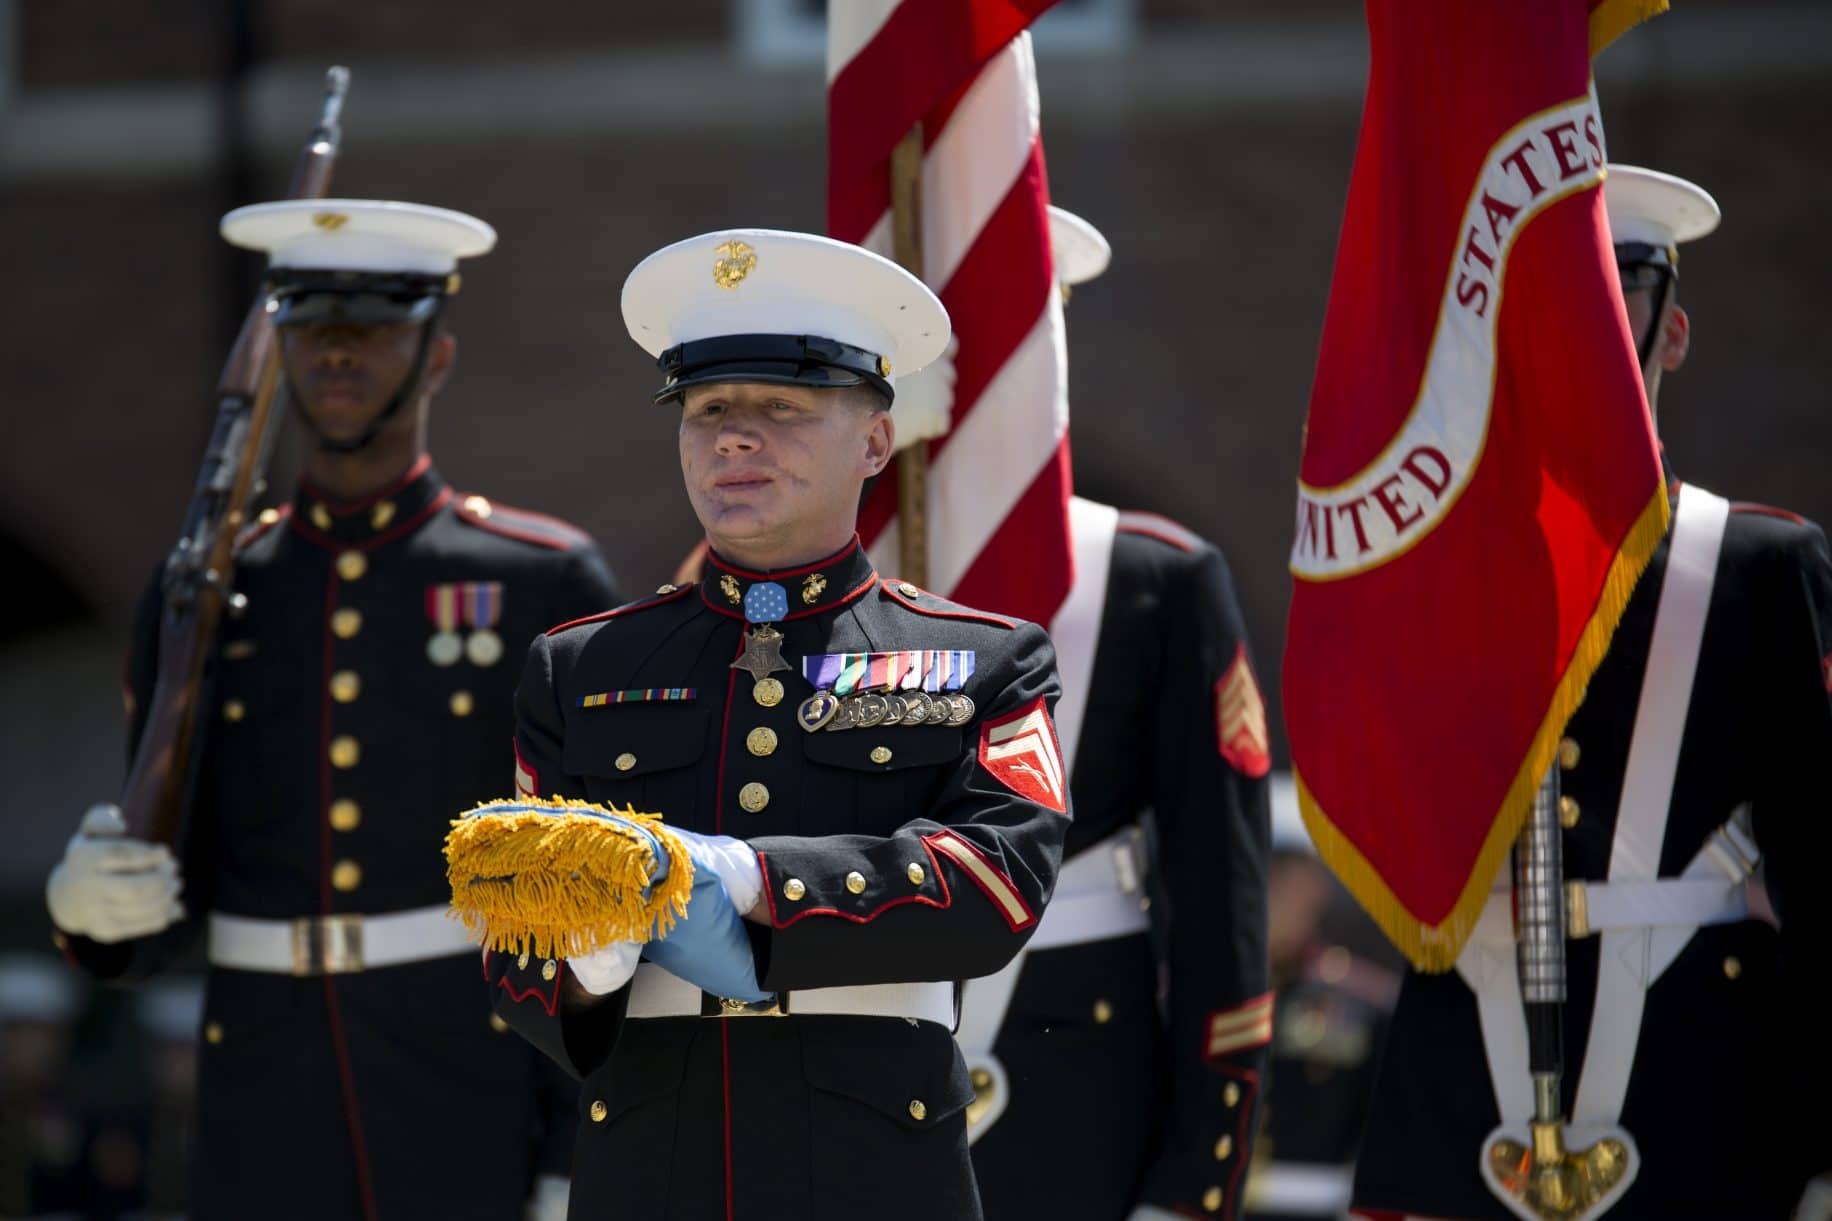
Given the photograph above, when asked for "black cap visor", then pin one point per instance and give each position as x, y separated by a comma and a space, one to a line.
354, 298
772, 360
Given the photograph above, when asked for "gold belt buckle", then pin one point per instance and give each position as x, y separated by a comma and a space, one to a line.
776, 1006
327, 945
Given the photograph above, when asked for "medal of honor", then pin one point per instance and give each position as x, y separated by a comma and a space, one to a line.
445, 647
762, 655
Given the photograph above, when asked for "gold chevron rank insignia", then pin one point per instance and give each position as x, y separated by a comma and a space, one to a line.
1240, 719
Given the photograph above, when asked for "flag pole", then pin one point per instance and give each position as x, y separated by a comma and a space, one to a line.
913, 462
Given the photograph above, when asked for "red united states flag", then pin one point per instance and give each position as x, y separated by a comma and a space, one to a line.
999, 486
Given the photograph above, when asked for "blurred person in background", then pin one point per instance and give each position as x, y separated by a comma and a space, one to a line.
1165, 1042
1692, 1023
1335, 981
41, 1113
357, 701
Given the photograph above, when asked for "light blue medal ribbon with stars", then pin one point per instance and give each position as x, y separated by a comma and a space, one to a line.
764, 603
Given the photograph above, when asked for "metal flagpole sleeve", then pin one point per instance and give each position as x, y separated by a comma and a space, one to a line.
1539, 891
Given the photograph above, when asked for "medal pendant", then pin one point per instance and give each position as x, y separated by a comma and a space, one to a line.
844, 717
960, 709
896, 707
918, 705
817, 711
871, 709
484, 648
444, 649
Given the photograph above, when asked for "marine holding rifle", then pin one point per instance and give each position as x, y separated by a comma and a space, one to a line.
360, 691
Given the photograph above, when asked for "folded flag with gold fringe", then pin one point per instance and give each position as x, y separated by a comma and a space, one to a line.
1480, 486
563, 878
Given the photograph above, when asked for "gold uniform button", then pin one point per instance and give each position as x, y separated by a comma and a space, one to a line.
478, 506
1733, 967
321, 517
549, 969
793, 890
346, 622
351, 565
855, 882
753, 797
624, 762
761, 741
599, 1111
346, 875
768, 692
345, 686
346, 815
213, 1032
1231, 1094
915, 874
880, 754
381, 515
462, 703
1568, 753
1568, 812
1224, 1148
668, 588
234, 710
268, 517
918, 1111
345, 752
1103, 1011
908, 590
1211, 1199
497, 1024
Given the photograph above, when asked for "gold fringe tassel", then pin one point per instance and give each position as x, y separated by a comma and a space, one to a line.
1612, 19
559, 881
1434, 947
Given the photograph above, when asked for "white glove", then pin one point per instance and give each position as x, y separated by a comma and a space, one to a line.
111, 887
606, 968
548, 1203
733, 860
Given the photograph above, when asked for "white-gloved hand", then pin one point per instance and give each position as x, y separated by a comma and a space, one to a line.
606, 968
548, 1203
111, 887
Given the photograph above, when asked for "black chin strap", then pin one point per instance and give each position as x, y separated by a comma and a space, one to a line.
410, 386
1661, 295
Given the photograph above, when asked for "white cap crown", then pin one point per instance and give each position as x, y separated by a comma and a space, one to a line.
1658, 209
359, 235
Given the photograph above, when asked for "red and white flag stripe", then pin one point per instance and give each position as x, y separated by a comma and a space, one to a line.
999, 481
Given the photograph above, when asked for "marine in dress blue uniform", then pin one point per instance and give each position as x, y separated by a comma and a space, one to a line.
363, 694
879, 762
1711, 1078
1162, 719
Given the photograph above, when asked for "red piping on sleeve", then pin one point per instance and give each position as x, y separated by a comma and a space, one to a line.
776, 921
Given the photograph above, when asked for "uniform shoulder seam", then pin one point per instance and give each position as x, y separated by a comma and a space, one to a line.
523, 525
674, 594
1153, 525
942, 608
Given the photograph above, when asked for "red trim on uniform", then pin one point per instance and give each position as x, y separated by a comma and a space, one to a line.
725, 1070
1750, 506
725, 724
343, 508
369, 544
539, 540
365, 1182
935, 871
640, 604
1250, 1090
984, 882
1152, 525
890, 591
550, 1003
836, 604
748, 575
521, 765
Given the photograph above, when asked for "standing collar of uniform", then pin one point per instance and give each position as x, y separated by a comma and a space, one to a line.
398, 509
824, 585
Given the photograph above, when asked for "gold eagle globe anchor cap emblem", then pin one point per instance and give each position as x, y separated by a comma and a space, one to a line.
736, 260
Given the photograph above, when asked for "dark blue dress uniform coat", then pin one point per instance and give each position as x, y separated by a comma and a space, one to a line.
336, 754
889, 854
1726, 1096
1172, 1121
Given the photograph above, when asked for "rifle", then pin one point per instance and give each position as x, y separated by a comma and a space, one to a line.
198, 581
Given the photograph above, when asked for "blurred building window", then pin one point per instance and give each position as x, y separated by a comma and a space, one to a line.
793, 32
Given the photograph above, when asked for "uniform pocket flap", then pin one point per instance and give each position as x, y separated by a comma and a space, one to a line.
886, 748
909, 1072
623, 741
650, 1062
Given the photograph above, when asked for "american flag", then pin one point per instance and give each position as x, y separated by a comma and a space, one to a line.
999, 485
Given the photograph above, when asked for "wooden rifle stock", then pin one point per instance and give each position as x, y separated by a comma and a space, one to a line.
199, 573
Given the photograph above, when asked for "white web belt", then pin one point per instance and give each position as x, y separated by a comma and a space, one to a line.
336, 944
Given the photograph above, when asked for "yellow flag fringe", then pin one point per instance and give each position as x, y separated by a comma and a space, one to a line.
1614, 18
558, 881
1435, 947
